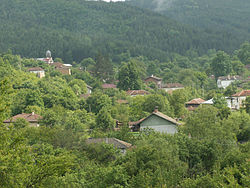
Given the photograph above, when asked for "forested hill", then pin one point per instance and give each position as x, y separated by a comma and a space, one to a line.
77, 29
231, 16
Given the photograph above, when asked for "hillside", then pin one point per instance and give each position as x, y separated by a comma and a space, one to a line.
227, 16
77, 29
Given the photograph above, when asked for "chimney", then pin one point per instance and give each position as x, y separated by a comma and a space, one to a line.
156, 109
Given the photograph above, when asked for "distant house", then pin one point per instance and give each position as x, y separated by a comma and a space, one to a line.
194, 103
66, 70
108, 86
62, 68
134, 93
32, 118
225, 81
238, 98
156, 80
172, 86
38, 71
118, 144
157, 121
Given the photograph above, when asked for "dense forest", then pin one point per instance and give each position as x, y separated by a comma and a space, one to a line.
220, 16
77, 29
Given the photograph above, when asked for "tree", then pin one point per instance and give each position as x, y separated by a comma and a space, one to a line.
221, 64
78, 86
104, 120
157, 100
97, 101
177, 101
244, 53
103, 69
20, 123
247, 102
129, 77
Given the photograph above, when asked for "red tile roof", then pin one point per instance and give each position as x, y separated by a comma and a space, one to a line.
108, 86
196, 101
242, 93
35, 69
172, 85
137, 92
32, 118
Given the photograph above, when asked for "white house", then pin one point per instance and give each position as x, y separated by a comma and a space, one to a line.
225, 81
238, 98
38, 71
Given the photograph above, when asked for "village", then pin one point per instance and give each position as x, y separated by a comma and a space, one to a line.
155, 120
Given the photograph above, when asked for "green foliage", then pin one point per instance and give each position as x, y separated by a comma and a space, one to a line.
129, 77
221, 64
156, 100
227, 22
20, 123
244, 53
104, 120
97, 101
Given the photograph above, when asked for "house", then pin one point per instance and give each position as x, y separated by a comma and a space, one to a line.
134, 93
172, 87
156, 80
194, 103
38, 71
66, 70
32, 118
118, 144
108, 86
157, 121
238, 98
225, 81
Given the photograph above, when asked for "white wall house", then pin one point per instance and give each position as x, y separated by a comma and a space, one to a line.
225, 81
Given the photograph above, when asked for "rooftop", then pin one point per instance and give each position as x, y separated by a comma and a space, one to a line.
116, 142
108, 86
154, 77
157, 113
236, 77
35, 69
137, 92
196, 101
243, 93
32, 118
